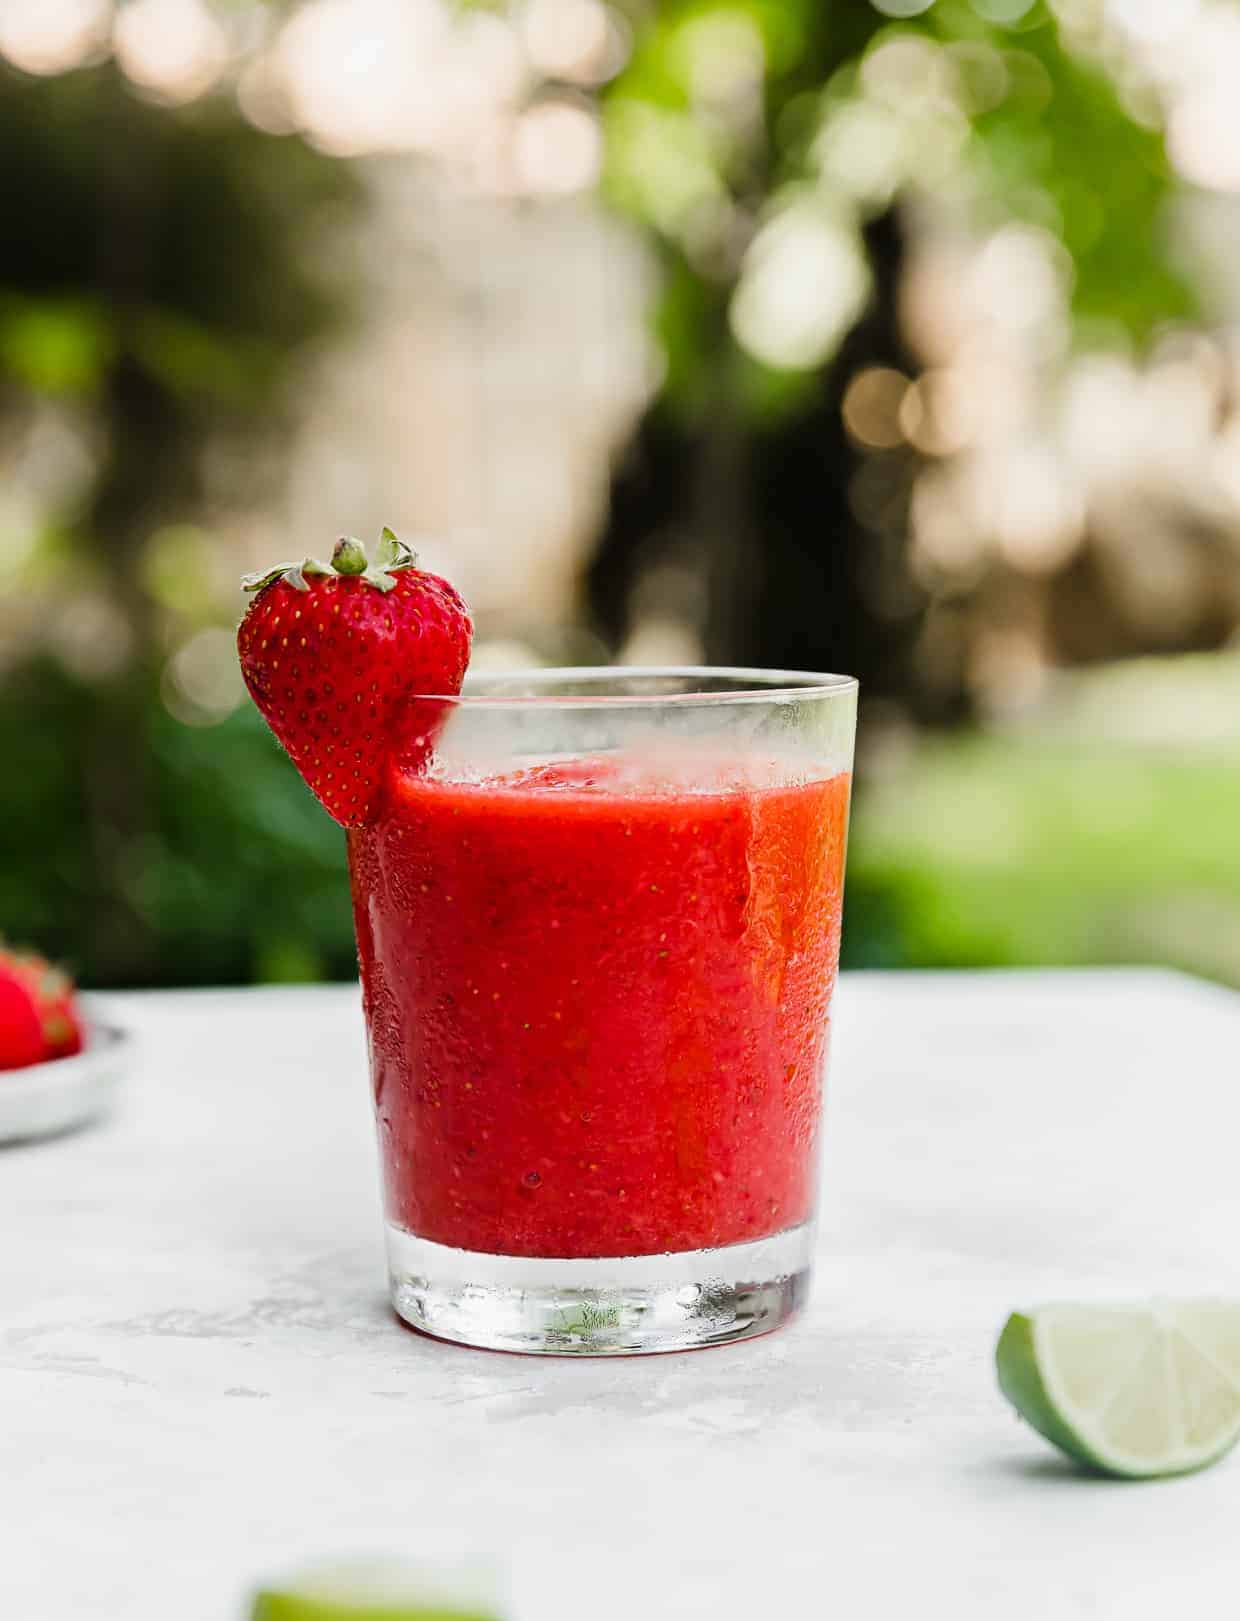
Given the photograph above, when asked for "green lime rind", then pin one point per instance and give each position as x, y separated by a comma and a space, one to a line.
1020, 1380
1028, 1385
276, 1606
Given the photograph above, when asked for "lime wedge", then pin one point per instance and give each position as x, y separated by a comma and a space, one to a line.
378, 1592
1136, 1391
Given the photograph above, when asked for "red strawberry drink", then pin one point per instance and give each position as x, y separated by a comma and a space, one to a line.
598, 922
598, 1006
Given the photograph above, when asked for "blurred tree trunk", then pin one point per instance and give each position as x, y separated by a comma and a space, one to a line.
149, 467
721, 491
792, 580
147, 474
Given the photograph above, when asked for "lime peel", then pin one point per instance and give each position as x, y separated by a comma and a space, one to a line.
1137, 1392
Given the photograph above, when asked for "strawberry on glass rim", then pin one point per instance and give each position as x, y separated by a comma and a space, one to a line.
334, 655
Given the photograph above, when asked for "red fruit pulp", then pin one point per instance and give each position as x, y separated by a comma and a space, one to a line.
598, 1011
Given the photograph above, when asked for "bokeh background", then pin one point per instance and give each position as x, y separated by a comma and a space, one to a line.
893, 336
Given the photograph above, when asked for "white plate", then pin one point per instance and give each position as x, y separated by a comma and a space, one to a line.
65, 1092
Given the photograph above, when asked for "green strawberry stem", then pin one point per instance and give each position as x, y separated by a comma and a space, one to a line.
349, 556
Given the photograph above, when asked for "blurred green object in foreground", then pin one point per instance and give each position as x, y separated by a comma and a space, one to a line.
382, 1591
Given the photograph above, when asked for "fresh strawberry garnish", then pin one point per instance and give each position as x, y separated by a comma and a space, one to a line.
333, 655
38, 1011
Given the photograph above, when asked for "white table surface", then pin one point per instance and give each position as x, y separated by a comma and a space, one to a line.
200, 1380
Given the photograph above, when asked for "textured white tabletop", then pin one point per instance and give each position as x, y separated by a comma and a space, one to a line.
200, 1380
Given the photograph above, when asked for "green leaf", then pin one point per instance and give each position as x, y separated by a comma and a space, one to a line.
393, 553
268, 576
380, 578
293, 573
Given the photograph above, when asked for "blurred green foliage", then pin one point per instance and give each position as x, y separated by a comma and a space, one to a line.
236, 874
163, 280
1042, 136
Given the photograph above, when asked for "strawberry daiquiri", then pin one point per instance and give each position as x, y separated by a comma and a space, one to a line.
598, 1009
598, 918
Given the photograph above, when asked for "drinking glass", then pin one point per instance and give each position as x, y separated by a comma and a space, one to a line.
598, 937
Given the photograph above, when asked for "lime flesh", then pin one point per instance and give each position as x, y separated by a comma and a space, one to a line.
1134, 1391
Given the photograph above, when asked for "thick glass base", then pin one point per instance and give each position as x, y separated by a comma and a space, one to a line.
617, 1306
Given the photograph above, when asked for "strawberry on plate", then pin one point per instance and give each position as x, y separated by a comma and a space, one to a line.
335, 653
21, 1030
38, 1011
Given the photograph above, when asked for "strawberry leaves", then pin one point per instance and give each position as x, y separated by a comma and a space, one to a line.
348, 558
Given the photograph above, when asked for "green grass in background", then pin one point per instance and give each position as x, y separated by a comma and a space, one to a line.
984, 850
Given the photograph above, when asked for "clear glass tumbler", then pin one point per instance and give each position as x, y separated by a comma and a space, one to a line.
598, 942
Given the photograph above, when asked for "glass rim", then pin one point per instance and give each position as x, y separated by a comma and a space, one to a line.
752, 685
